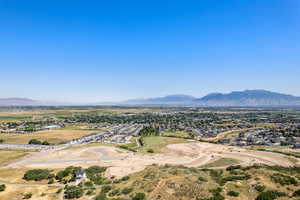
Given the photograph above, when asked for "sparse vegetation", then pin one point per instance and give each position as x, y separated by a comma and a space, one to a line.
283, 179
127, 190
221, 162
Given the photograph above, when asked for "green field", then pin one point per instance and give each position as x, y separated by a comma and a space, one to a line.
156, 143
178, 134
153, 143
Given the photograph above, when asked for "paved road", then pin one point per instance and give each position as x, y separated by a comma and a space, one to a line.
27, 146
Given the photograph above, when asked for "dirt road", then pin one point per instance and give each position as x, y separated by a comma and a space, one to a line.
121, 162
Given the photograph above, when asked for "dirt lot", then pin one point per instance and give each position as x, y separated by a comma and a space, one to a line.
121, 162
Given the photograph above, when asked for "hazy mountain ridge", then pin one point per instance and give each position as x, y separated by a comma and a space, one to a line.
235, 98
17, 102
169, 99
249, 98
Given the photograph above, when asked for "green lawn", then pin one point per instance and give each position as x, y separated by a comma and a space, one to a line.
156, 143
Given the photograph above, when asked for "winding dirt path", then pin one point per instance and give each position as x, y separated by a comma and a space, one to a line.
121, 162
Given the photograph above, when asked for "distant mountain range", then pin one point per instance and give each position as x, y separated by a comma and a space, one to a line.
17, 102
170, 99
234, 99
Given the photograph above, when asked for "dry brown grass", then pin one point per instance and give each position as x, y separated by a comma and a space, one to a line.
14, 192
12, 175
15, 176
7, 156
52, 136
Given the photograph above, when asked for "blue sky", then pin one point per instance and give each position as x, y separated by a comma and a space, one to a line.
93, 51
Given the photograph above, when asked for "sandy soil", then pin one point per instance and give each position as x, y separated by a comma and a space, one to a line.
122, 163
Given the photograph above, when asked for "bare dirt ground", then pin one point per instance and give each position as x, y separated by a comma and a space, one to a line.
121, 162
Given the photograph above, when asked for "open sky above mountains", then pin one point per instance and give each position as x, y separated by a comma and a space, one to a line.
95, 51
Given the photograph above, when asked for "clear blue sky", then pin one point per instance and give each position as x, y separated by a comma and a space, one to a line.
91, 51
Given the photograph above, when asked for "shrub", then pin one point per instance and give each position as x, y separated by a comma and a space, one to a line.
45, 143
94, 174
101, 196
150, 151
217, 190
139, 196
217, 194
51, 181
202, 179
296, 193
105, 188
283, 179
90, 192
59, 191
125, 178
114, 192
95, 170
270, 195
35, 142
260, 188
2, 187
37, 174
127, 190
233, 167
72, 192
127, 148
97, 180
233, 193
1, 141
27, 196
216, 175
88, 184
235, 178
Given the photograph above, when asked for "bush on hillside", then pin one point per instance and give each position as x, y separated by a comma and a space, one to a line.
72, 192
2, 187
233, 193
270, 195
139, 196
37, 175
